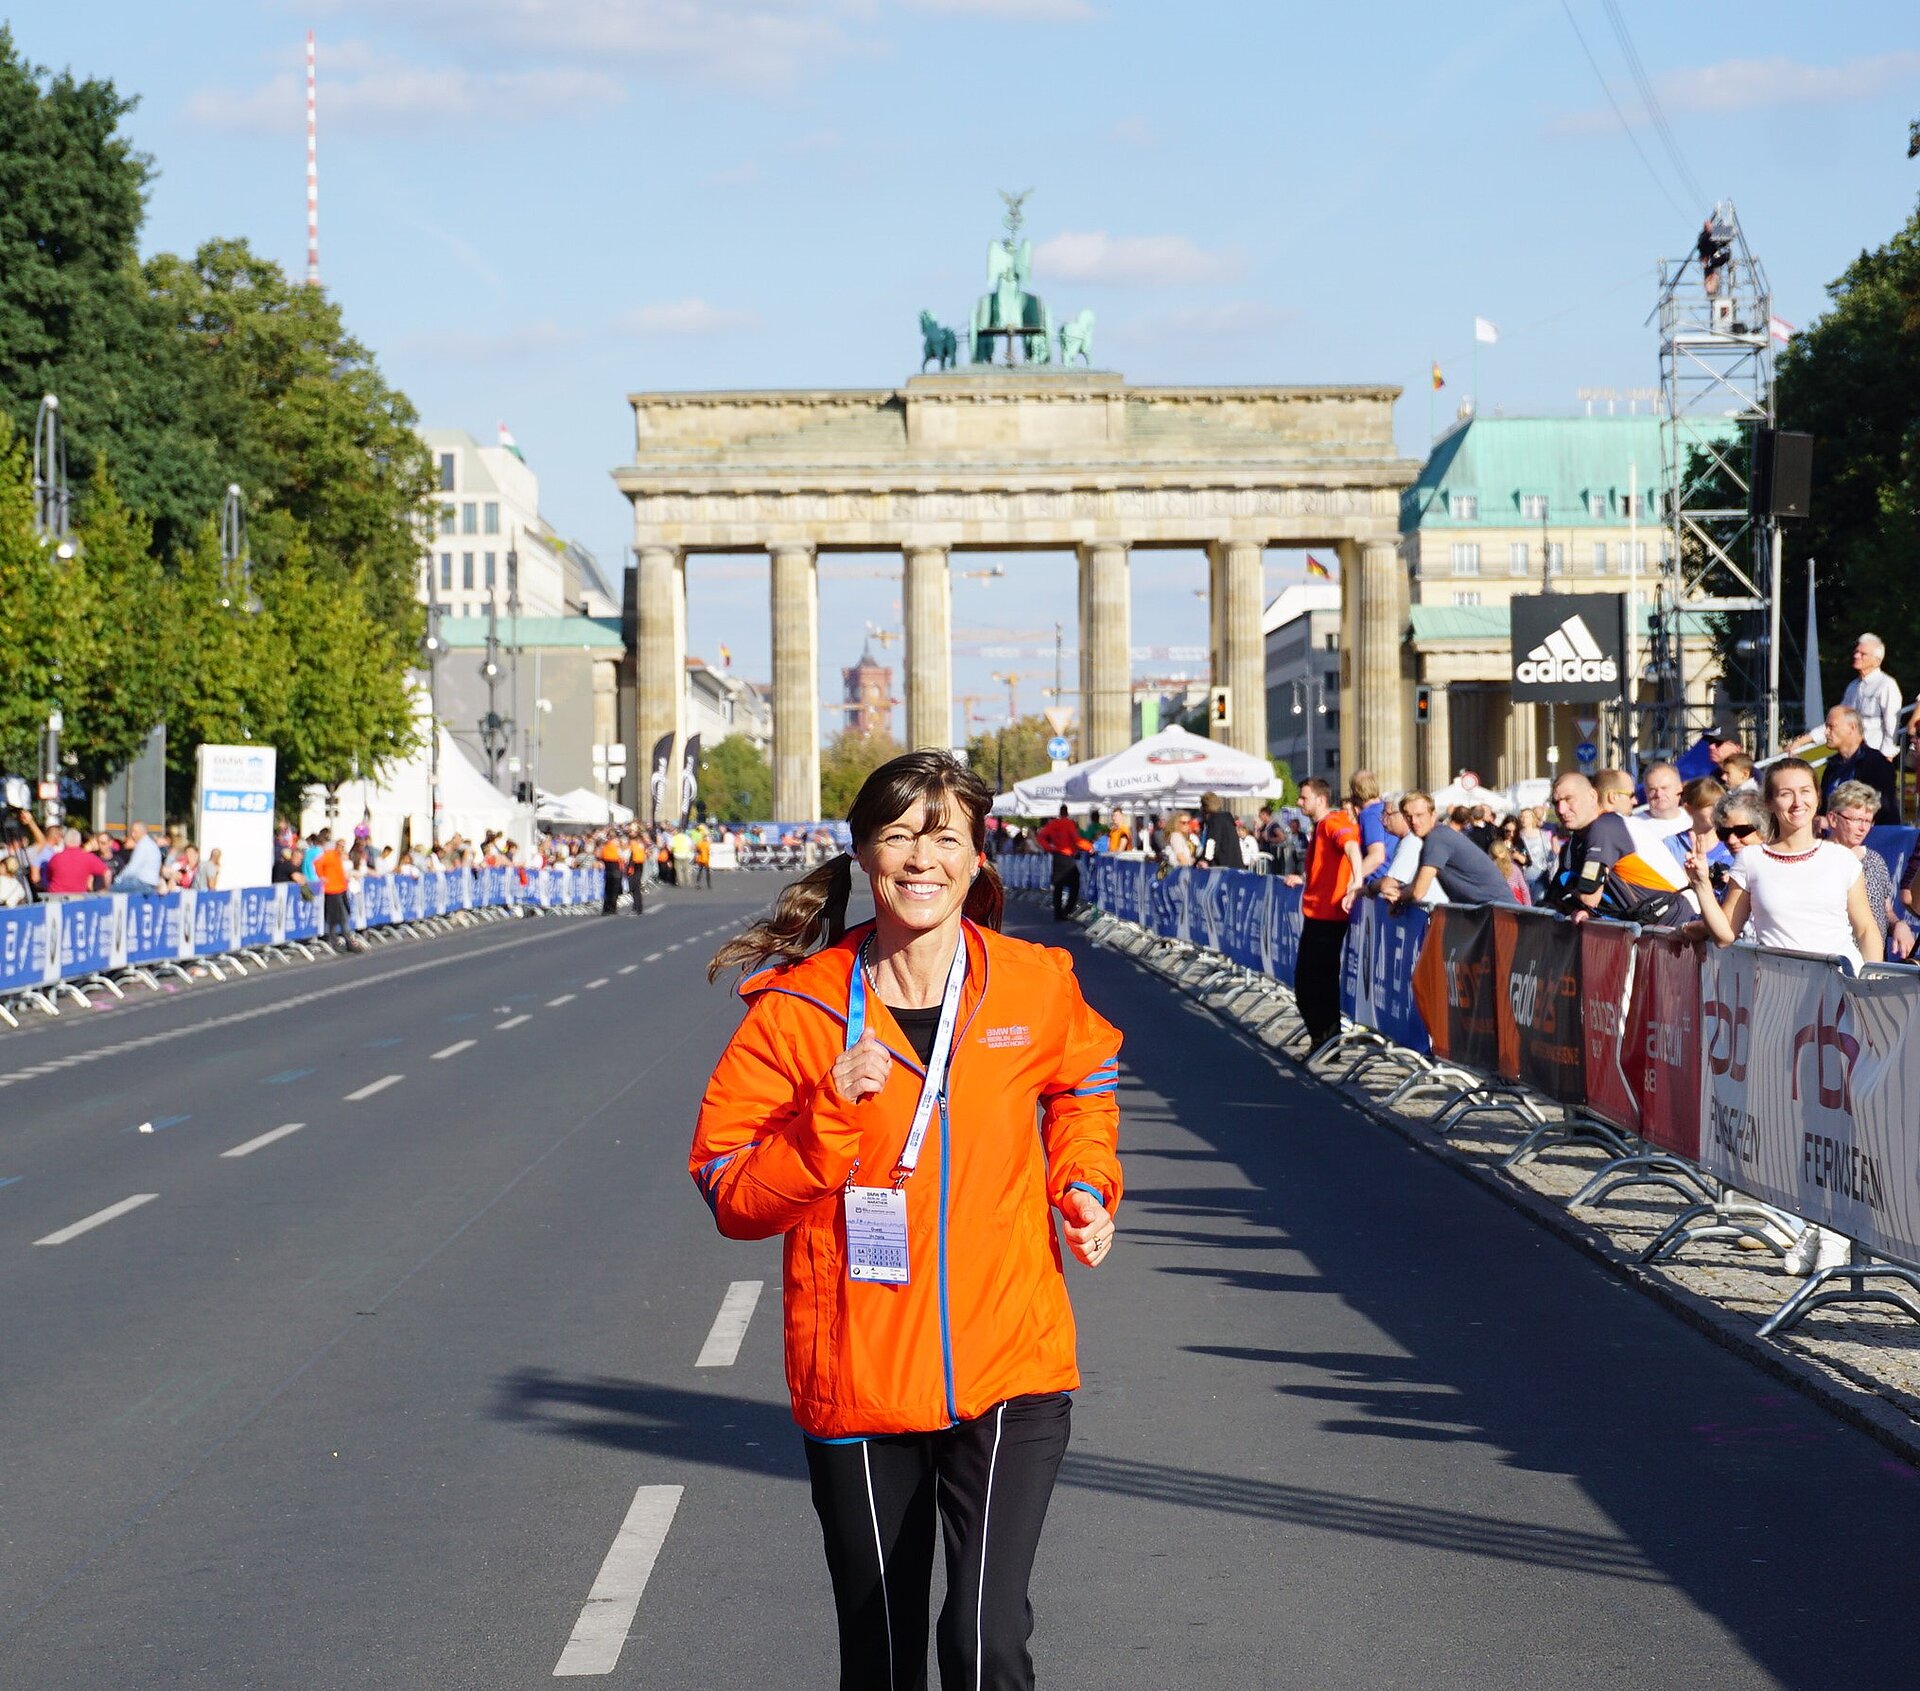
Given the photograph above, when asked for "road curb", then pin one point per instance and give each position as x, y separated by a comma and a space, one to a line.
1857, 1404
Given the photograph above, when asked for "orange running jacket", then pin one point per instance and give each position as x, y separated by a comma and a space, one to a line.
985, 1315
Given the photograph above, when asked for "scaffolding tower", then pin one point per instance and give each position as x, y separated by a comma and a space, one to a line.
1712, 645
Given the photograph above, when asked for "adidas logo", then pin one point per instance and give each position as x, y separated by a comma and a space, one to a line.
1569, 653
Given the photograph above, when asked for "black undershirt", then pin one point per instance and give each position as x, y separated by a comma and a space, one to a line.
919, 1026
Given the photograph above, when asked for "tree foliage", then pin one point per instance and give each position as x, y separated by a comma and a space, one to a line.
736, 781
845, 762
1850, 381
1002, 756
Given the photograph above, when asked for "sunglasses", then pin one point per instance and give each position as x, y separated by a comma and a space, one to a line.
1739, 831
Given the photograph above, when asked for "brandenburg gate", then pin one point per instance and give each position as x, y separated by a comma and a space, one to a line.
1024, 458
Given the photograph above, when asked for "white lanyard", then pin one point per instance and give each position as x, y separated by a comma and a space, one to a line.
934, 1085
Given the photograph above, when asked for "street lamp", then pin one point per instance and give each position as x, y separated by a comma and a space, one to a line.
431, 646
52, 504
495, 731
1313, 689
610, 769
236, 566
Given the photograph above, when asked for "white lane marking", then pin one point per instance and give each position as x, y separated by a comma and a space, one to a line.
628, 969
511, 1022
611, 1605
452, 1050
730, 1325
253, 1145
602, 981
298, 1002
564, 998
653, 957
98, 1218
676, 945
374, 1086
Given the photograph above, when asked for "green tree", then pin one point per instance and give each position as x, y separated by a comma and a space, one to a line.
295, 411
1850, 381
845, 762
736, 781
1002, 756
120, 660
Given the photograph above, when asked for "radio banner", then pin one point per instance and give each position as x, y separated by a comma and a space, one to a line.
1537, 985
1664, 1040
1608, 997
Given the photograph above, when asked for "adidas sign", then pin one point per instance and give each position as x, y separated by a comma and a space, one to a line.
1569, 653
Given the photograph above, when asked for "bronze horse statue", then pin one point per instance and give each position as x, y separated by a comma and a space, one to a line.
937, 341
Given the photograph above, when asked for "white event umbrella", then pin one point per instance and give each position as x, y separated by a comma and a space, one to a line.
1173, 765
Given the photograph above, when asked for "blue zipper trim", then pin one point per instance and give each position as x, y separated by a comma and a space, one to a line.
1092, 1192
946, 1317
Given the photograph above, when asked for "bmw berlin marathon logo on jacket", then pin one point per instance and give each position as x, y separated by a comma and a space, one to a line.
1568, 648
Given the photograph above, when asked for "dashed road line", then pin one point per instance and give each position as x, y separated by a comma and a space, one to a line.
452, 1050
250, 1146
653, 957
98, 1218
594, 1647
374, 1086
627, 970
564, 998
730, 1325
591, 985
510, 1022
12, 1180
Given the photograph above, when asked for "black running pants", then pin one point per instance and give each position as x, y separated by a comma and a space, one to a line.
1316, 977
989, 1481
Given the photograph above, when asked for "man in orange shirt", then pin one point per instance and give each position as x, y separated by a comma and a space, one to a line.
1333, 875
1060, 840
330, 869
613, 872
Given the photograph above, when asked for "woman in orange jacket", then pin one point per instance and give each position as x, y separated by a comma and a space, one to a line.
877, 1108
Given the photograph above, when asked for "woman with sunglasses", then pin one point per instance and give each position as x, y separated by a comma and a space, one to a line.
1851, 808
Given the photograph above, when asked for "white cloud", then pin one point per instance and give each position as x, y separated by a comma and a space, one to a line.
362, 93
1737, 85
690, 316
1137, 260
1134, 131
1226, 321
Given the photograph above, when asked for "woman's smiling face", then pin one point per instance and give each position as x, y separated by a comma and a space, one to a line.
920, 867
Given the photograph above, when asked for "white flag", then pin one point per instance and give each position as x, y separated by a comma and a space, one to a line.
1781, 329
1485, 331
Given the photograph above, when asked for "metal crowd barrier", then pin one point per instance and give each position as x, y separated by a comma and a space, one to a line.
66, 948
1764, 1088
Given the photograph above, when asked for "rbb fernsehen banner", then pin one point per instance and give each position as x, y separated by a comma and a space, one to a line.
1568, 648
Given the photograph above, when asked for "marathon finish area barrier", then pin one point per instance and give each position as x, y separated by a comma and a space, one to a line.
1777, 1087
48, 948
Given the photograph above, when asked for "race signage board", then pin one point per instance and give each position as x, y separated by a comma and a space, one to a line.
1568, 648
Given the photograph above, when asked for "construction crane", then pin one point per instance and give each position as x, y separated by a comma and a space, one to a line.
1011, 680
993, 574
886, 636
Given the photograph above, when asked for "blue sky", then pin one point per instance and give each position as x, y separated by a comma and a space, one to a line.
530, 208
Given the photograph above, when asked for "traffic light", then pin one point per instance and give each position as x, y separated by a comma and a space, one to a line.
1220, 708
1422, 704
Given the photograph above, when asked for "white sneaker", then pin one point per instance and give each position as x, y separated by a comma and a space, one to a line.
1802, 1253
1836, 1251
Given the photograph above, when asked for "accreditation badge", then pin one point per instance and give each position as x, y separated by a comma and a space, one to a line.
877, 1234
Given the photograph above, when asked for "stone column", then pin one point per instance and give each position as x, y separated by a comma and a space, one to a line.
796, 684
927, 600
660, 669
1439, 739
1380, 696
1234, 570
1349, 735
1106, 663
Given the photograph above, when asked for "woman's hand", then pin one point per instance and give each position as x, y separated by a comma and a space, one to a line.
1089, 1226
862, 1069
1700, 873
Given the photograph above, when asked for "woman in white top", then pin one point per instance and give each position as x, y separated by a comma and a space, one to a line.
1802, 893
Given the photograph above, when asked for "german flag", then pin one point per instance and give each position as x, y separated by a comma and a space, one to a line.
1439, 381
1318, 570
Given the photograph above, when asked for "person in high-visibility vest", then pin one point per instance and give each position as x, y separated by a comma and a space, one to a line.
613, 867
637, 871
703, 860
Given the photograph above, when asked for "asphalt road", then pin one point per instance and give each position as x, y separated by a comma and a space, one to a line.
442, 1386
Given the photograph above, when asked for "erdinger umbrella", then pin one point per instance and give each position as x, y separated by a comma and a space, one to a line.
1044, 794
1173, 765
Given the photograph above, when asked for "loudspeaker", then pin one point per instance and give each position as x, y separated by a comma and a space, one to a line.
1782, 481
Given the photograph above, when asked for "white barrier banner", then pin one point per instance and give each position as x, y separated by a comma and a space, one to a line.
1808, 1092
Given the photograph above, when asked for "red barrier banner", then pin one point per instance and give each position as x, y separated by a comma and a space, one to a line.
1453, 985
1609, 998
1667, 1035
1537, 994
1430, 984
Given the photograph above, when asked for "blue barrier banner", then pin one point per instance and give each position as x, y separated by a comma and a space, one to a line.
215, 923
88, 930
23, 947
1283, 932
379, 901
1376, 972
261, 922
403, 892
153, 928
1246, 918
303, 915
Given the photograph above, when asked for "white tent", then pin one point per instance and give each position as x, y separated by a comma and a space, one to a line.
402, 794
581, 808
1043, 795
1173, 767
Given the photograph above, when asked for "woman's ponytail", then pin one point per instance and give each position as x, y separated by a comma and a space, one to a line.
986, 899
810, 913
